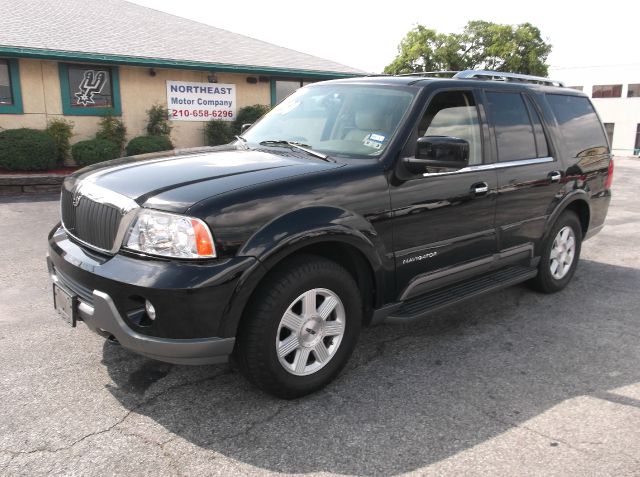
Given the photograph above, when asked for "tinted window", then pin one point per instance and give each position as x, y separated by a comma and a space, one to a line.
5, 83
454, 113
90, 86
512, 126
542, 146
607, 91
633, 91
578, 122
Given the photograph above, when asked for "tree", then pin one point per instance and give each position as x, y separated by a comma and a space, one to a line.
481, 45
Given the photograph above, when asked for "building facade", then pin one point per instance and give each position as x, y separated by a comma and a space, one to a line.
615, 92
198, 72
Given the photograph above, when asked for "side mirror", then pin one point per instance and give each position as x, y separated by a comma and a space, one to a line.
244, 127
438, 151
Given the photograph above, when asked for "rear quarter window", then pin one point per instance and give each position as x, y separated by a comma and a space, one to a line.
579, 124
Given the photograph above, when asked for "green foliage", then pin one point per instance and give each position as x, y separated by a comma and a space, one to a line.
249, 114
145, 144
27, 150
93, 151
112, 129
61, 132
481, 45
218, 132
158, 121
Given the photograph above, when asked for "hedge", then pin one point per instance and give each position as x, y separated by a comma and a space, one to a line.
145, 144
93, 151
218, 132
249, 115
27, 150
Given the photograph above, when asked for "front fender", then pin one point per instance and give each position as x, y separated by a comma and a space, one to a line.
291, 232
302, 227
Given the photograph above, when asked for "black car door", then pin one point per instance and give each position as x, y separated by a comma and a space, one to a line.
443, 220
529, 177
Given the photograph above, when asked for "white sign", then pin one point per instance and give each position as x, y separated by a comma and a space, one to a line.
188, 101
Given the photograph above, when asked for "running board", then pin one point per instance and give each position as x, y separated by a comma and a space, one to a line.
422, 305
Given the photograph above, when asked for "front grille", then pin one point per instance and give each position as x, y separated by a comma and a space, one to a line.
85, 293
91, 222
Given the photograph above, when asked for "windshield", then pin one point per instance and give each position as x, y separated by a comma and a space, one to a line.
336, 119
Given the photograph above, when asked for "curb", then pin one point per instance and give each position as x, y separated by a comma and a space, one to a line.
29, 184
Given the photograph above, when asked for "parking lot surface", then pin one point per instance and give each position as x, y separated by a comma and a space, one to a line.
514, 383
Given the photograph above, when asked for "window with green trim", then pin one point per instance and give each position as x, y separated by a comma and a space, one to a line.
89, 90
10, 96
281, 88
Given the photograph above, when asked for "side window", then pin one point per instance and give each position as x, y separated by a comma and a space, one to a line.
10, 93
454, 113
579, 124
542, 146
512, 125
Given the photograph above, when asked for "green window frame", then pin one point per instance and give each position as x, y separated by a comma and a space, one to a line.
68, 110
301, 82
16, 91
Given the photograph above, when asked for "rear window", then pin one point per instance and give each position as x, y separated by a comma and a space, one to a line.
579, 124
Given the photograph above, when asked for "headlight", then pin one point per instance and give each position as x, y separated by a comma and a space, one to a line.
170, 235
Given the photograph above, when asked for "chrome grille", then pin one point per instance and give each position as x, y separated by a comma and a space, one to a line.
89, 221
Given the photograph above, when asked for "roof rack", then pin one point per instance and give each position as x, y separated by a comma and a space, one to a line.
490, 75
430, 73
500, 76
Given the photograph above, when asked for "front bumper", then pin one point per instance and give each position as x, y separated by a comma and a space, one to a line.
191, 300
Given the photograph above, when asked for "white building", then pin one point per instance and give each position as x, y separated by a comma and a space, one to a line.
615, 92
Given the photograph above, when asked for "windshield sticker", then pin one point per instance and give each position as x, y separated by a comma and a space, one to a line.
374, 140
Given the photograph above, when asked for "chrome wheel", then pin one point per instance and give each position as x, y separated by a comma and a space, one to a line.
562, 253
310, 331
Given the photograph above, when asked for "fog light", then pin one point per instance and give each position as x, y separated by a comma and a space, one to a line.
151, 311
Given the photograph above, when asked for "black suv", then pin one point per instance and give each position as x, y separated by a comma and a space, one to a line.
351, 202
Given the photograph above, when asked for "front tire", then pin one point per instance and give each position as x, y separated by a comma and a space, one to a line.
300, 330
560, 254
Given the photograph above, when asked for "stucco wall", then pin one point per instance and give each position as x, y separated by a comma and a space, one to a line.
40, 85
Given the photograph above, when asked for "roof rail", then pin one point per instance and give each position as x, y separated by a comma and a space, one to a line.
500, 76
430, 73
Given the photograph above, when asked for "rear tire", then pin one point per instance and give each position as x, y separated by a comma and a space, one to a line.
300, 328
560, 254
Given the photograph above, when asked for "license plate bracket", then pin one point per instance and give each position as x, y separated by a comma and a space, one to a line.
66, 305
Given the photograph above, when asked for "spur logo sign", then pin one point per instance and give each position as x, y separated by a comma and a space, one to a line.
92, 83
188, 101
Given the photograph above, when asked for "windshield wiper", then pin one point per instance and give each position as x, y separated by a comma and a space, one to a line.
297, 145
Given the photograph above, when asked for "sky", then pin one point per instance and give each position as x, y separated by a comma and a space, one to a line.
366, 34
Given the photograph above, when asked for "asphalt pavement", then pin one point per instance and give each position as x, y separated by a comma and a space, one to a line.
514, 383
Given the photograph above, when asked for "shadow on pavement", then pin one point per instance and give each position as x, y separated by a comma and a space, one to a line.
411, 395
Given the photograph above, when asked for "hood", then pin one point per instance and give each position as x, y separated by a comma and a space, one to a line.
175, 183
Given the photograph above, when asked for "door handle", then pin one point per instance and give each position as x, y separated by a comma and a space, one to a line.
480, 188
555, 176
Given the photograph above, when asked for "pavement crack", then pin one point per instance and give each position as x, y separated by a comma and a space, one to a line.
135, 408
259, 422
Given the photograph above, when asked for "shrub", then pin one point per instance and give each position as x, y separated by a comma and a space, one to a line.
145, 144
61, 132
249, 114
93, 151
218, 132
27, 150
158, 121
112, 129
